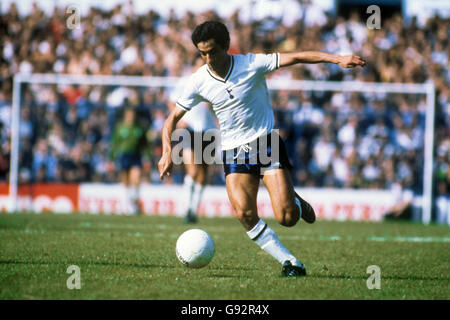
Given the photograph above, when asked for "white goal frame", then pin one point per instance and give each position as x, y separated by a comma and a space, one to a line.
138, 81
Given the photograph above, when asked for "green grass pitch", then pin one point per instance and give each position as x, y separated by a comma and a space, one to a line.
124, 257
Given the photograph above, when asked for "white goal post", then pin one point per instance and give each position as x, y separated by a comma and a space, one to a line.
138, 81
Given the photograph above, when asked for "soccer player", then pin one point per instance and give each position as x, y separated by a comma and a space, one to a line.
129, 143
235, 86
197, 121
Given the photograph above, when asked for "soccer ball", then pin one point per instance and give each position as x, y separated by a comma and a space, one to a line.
195, 248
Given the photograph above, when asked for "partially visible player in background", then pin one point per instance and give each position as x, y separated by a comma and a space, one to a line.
129, 146
197, 121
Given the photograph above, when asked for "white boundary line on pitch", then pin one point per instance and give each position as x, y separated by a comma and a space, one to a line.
372, 238
309, 237
409, 239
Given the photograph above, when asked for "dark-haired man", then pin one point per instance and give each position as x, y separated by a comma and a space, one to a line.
235, 87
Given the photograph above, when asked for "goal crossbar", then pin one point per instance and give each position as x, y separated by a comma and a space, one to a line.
274, 84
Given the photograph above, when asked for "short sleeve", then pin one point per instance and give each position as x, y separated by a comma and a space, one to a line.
189, 97
177, 91
265, 62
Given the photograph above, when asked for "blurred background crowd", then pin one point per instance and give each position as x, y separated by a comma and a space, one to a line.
335, 139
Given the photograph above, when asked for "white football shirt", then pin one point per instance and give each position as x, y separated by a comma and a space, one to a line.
240, 101
200, 117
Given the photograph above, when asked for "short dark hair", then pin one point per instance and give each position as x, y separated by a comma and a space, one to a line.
212, 30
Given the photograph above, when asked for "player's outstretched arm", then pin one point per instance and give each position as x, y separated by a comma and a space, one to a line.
165, 163
350, 61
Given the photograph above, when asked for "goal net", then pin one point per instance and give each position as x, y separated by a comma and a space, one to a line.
340, 135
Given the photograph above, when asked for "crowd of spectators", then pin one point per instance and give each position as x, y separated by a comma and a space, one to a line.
335, 139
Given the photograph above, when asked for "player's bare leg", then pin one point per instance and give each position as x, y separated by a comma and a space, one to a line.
242, 190
281, 191
202, 171
188, 160
287, 205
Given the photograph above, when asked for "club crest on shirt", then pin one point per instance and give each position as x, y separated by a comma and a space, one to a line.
229, 92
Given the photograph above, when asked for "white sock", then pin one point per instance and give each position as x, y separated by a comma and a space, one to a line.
133, 199
188, 186
268, 240
133, 193
196, 197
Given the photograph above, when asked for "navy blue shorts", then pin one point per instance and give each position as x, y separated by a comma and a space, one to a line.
265, 153
129, 160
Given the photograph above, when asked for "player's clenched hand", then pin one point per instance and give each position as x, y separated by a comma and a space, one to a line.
165, 165
351, 61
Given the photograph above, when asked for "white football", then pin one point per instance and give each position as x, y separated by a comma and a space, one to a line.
195, 248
